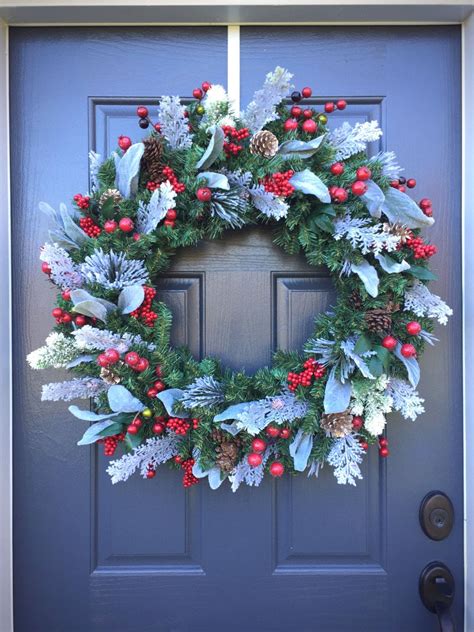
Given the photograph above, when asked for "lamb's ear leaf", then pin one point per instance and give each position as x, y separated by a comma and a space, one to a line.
368, 275
72, 230
80, 360
88, 415
390, 265
93, 309
215, 478
122, 401
337, 394
373, 198
300, 449
308, 182
411, 365
60, 238
213, 150
401, 209
215, 180
232, 412
300, 148
93, 433
128, 170
422, 273
130, 298
168, 398
48, 210
232, 428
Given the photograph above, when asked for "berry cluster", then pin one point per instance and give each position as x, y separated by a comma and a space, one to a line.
311, 369
62, 317
279, 183
134, 361
401, 184
144, 312
426, 206
331, 107
420, 249
189, 479
160, 425
383, 447
135, 426
82, 201
275, 432
157, 387
338, 194
231, 148
111, 443
109, 357
178, 426
89, 227
170, 175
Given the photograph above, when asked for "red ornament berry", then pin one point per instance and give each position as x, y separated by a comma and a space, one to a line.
171, 214
296, 111
124, 142
383, 442
364, 445
66, 318
150, 474
132, 429
277, 469
178, 459
126, 224
411, 183
310, 126
339, 195
141, 365
66, 294
308, 113
389, 342
254, 459
363, 173
337, 169
152, 392
110, 226
205, 85
204, 194
197, 93
341, 104
357, 422
290, 125
425, 203
158, 428
384, 452
157, 127
159, 385
285, 433
45, 268
413, 328
112, 355
142, 111
169, 222
329, 107
132, 358
80, 320
273, 431
258, 445
102, 360
358, 187
407, 350
306, 92
57, 312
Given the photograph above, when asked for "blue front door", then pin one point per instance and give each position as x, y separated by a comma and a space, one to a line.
299, 555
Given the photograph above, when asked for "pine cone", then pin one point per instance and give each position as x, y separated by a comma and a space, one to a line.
152, 159
336, 424
264, 143
355, 300
378, 320
227, 455
110, 193
109, 376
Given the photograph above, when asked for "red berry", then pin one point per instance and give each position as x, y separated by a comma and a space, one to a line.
110, 226
254, 459
126, 224
158, 428
142, 111
411, 183
171, 214
383, 442
158, 370
112, 355
102, 360
395, 184
141, 365
66, 294
169, 222
152, 392
178, 459
339, 195
132, 358
151, 474
132, 429
357, 422
277, 469
204, 194
425, 203
136, 236
80, 320
364, 445
341, 104
66, 318
258, 445
310, 126
358, 187
285, 433
57, 312
157, 127
308, 113
306, 92
159, 386
413, 328
389, 342
290, 125
197, 93
205, 85
273, 431
384, 452
124, 142
407, 350
364, 173
402, 189
337, 168
329, 107
45, 268
296, 111
137, 422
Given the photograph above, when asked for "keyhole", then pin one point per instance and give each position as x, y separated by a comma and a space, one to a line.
438, 518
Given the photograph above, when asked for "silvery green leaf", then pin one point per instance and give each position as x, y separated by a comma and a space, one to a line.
122, 401
92, 434
411, 365
128, 170
215, 147
401, 209
131, 298
60, 238
336, 395
307, 182
197, 469
88, 415
215, 478
373, 198
300, 450
72, 230
215, 180
299, 148
429, 338
368, 275
93, 309
233, 428
80, 360
78, 296
168, 398
390, 265
232, 412
48, 210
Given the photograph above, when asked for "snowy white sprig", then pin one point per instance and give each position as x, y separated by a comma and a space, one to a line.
364, 235
57, 352
252, 476
371, 400
149, 215
279, 409
348, 140
174, 124
262, 109
94, 165
204, 391
78, 388
390, 167
113, 270
64, 272
405, 398
268, 203
422, 302
345, 455
217, 107
93, 339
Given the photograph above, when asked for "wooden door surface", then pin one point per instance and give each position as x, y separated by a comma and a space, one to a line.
300, 554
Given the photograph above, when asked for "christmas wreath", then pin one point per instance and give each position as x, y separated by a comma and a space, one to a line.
201, 171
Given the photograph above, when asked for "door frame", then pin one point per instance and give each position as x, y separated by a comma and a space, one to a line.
233, 14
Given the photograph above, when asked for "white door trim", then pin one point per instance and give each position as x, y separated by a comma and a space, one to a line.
231, 13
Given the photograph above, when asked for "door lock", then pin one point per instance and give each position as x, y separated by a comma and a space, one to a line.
437, 593
436, 515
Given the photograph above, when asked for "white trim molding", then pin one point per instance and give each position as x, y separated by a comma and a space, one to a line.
233, 13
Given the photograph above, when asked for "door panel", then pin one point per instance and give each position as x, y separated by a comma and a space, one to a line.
295, 554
